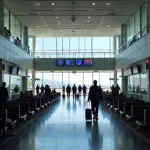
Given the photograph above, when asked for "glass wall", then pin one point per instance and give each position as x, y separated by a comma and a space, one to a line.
74, 44
6, 18
58, 79
137, 86
137, 23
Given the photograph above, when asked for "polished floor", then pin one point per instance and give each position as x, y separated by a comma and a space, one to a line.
63, 127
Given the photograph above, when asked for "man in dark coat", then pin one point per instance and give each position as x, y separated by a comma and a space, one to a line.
68, 90
95, 95
74, 90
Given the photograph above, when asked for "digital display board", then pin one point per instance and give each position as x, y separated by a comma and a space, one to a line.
69, 62
20, 71
88, 62
14, 70
136, 69
130, 71
79, 62
60, 62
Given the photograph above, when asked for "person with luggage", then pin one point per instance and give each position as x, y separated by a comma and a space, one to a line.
84, 90
68, 90
37, 89
95, 95
74, 90
79, 89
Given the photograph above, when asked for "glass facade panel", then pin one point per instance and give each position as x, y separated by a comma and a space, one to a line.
6, 18
65, 79
31, 43
7, 80
137, 22
88, 44
49, 44
74, 44
57, 82
48, 79
38, 79
39, 44
88, 79
104, 80
82, 44
96, 76
66, 45
144, 16
59, 44
29, 81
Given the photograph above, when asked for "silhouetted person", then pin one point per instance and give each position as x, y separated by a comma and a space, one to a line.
95, 95
16, 89
68, 90
117, 89
54, 91
3, 102
113, 90
42, 89
74, 90
63, 89
37, 89
21, 95
79, 89
84, 90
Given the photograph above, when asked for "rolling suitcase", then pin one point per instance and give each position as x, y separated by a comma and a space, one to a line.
88, 112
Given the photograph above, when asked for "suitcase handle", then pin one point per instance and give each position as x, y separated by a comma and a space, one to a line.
89, 104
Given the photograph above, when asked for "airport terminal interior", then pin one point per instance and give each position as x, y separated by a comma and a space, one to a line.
61, 61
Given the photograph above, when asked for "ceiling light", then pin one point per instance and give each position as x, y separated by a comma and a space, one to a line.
88, 21
53, 4
93, 4
89, 17
37, 26
108, 26
61, 31
107, 4
59, 23
37, 4
57, 17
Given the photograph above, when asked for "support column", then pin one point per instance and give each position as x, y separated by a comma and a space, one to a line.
124, 82
115, 78
33, 82
34, 45
123, 34
1, 72
2, 14
148, 81
148, 11
25, 82
26, 36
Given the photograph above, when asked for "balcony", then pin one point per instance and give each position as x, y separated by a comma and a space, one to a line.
74, 55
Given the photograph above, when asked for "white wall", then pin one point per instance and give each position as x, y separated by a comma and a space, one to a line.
13, 54
136, 52
44, 64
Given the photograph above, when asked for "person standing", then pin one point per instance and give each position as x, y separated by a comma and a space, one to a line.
3, 102
84, 90
95, 95
37, 89
74, 90
117, 89
68, 90
63, 89
80, 89
16, 89
42, 89
113, 90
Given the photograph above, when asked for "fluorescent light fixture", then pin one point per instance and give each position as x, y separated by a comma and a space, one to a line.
107, 4
59, 23
57, 17
93, 4
89, 17
53, 4
108, 26
37, 4
37, 26
88, 21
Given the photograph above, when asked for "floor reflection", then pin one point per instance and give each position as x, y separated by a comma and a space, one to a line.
64, 127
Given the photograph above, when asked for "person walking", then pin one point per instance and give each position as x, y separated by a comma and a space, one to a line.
37, 89
95, 95
68, 90
42, 89
79, 89
74, 90
84, 90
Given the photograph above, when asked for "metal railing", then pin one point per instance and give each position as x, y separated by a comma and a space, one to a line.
14, 40
133, 40
74, 55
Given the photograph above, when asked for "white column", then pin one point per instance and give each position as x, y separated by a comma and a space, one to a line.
33, 82
115, 78
34, 45
2, 14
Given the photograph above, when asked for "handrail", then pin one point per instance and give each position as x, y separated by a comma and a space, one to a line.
133, 40
74, 55
13, 40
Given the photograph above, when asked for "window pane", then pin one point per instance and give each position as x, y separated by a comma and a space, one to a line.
7, 80
144, 16
82, 44
39, 44
137, 22
65, 79
59, 44
76, 79
31, 43
49, 44
12, 28
74, 44
104, 80
130, 29
38, 79
57, 80
65, 44
47, 79
88, 45
6, 18
88, 79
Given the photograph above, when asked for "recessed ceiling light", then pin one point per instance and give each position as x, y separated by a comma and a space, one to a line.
59, 23
61, 31
93, 4
88, 21
53, 4
107, 4
57, 17
89, 17
37, 4
37, 26
108, 26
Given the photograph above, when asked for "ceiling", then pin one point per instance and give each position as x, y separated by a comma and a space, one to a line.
102, 19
